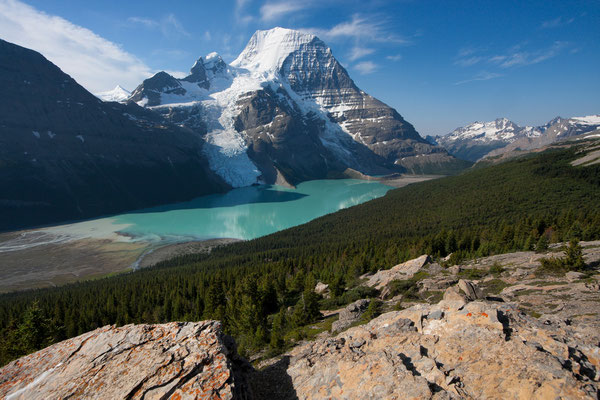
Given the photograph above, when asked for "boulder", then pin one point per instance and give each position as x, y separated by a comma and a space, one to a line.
401, 271
321, 288
350, 315
176, 360
471, 290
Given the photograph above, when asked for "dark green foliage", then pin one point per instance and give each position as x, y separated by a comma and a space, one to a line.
574, 256
472, 274
350, 296
494, 286
572, 261
496, 269
407, 288
542, 244
245, 285
374, 309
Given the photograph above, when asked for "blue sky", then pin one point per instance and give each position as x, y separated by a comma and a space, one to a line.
441, 64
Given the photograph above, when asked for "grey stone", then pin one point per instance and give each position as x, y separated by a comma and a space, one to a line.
350, 315
437, 314
471, 290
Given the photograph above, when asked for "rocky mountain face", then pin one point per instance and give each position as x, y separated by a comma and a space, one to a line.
65, 154
487, 139
285, 111
509, 333
174, 360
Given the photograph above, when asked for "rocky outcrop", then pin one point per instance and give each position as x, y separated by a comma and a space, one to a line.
350, 314
401, 271
480, 350
174, 360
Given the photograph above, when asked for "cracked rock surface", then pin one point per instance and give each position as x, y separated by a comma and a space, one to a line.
175, 360
478, 350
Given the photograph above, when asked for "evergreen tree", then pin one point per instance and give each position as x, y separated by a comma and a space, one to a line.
277, 342
34, 331
574, 256
542, 244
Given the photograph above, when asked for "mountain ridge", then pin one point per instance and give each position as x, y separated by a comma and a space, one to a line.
480, 140
65, 154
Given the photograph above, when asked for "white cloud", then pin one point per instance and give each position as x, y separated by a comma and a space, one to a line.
273, 11
521, 58
556, 23
365, 67
238, 12
360, 28
482, 76
169, 25
516, 56
359, 52
93, 61
468, 61
395, 57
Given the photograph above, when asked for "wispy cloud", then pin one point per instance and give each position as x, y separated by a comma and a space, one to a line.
168, 25
468, 61
93, 61
481, 76
359, 52
516, 56
366, 67
394, 57
272, 11
363, 28
556, 23
239, 12
521, 58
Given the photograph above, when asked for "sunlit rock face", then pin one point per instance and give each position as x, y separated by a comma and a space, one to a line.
174, 360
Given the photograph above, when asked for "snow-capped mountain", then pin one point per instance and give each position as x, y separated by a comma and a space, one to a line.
483, 139
285, 111
118, 94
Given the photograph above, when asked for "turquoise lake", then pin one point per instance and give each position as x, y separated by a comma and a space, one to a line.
249, 212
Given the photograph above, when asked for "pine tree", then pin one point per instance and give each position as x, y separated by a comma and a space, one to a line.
574, 256
34, 331
542, 244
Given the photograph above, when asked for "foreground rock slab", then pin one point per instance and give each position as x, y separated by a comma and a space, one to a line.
174, 360
481, 350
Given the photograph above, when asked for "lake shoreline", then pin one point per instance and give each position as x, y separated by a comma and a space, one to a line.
168, 251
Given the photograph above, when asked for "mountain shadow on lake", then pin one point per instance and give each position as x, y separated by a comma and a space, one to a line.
236, 197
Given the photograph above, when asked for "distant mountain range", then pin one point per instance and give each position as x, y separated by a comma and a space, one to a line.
488, 139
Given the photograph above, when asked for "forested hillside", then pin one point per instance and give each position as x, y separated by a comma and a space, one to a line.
262, 289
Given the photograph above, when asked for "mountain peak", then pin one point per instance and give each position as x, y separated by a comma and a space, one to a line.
117, 94
268, 49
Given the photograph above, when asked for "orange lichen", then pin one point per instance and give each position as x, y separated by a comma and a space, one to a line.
469, 314
484, 314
